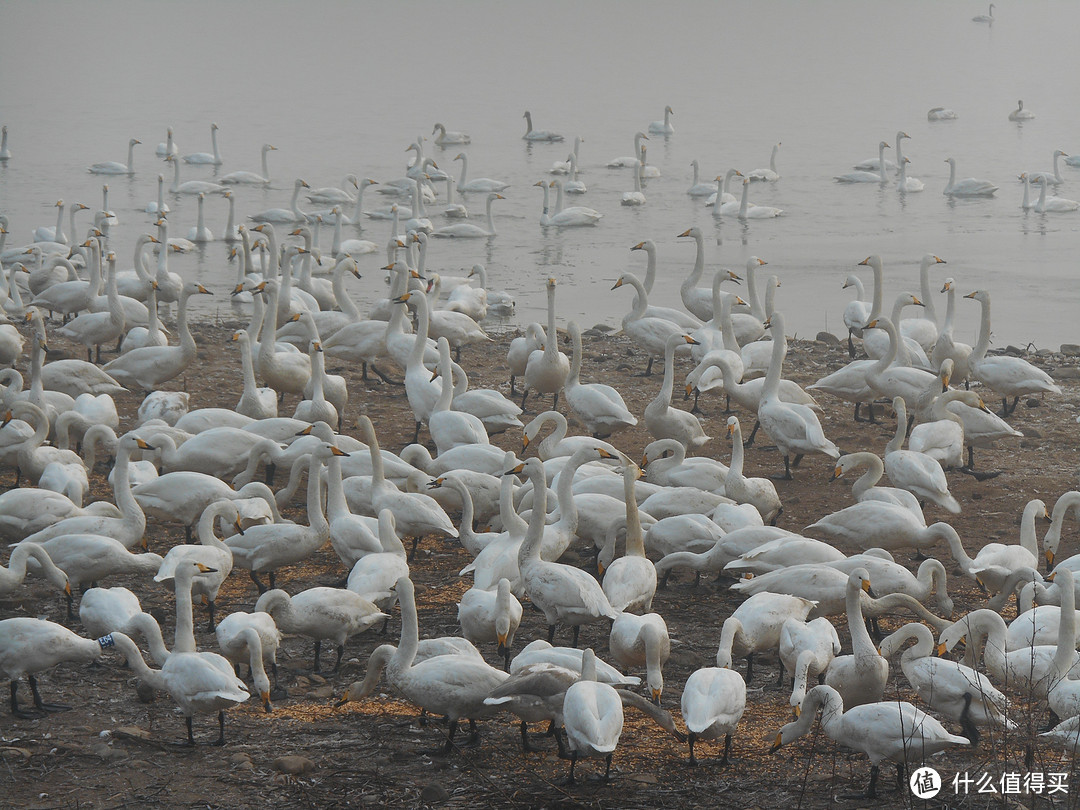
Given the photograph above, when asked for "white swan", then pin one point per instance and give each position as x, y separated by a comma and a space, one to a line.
207, 158
1007, 376
746, 211
575, 216
769, 175
916, 472
451, 685
149, 367
599, 406
806, 651
445, 138
213, 554
321, 614
698, 189
112, 167
880, 524
290, 214
793, 427
546, 370
1052, 177
665, 422
593, 717
12, 576
538, 134
755, 627
713, 702
565, 594
664, 127
866, 489
1058, 205
466, 230
5, 150
191, 186
720, 191
908, 185
865, 176
483, 184
635, 197
892, 730
251, 178
650, 332
968, 187
758, 492
985, 18
941, 114
487, 616
1020, 114
630, 581
29, 646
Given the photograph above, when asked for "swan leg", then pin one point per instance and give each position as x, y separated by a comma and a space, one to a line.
271, 471
513, 391
577, 631
750, 442
70, 600
474, 734
607, 767
967, 725
221, 729
787, 471
749, 667
648, 370
416, 434
850, 346
449, 746
555, 402
724, 762
691, 737
190, 733
573, 762
211, 606
340, 653
26, 714
318, 654
383, 377
415, 543
187, 533
526, 746
696, 409
257, 581
551, 633
273, 584
871, 789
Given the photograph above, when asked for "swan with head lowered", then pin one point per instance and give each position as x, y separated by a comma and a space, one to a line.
891, 730
29, 646
1020, 114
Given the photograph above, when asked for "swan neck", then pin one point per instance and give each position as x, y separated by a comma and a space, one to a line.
874, 470
530, 547
897, 440
771, 387
735, 469
983, 343
574, 377
669, 374
410, 632
184, 639
416, 357
861, 643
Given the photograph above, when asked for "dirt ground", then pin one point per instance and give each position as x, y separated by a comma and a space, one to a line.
114, 751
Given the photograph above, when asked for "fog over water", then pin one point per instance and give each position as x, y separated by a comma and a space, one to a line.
344, 87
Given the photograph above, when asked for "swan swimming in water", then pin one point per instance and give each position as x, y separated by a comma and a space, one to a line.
985, 18
207, 158
908, 185
538, 134
112, 167
1058, 205
1020, 114
969, 186
769, 175
664, 127
941, 114
862, 176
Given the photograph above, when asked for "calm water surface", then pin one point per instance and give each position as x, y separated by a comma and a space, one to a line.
344, 87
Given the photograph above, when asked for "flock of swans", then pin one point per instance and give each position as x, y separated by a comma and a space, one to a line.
682, 509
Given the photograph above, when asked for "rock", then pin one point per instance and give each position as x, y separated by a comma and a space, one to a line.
602, 327
1067, 373
1032, 403
1070, 349
1015, 351
242, 761
828, 338
145, 692
317, 678
1032, 433
434, 793
293, 765
322, 693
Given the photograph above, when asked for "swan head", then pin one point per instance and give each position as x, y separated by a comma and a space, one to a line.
982, 296
874, 261
134, 141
